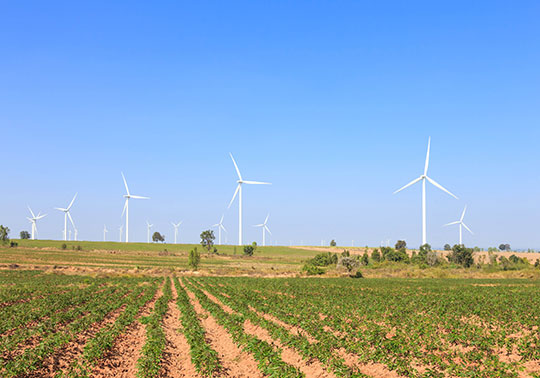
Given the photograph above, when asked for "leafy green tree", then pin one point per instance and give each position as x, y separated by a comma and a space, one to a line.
401, 244
365, 259
4, 234
207, 239
461, 255
249, 250
333, 243
376, 255
447, 247
157, 237
194, 259
25, 235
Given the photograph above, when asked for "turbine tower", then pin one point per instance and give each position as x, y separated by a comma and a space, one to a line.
105, 232
423, 178
220, 227
239, 192
265, 228
148, 227
33, 220
176, 225
120, 229
66, 215
127, 196
461, 225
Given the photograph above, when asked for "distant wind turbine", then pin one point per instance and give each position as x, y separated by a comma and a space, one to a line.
148, 227
33, 220
220, 227
265, 228
423, 178
176, 225
105, 232
239, 192
461, 224
121, 229
127, 196
66, 215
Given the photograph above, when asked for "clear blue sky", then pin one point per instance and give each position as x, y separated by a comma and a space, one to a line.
332, 102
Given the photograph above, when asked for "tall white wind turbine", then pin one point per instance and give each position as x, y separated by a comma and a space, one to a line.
148, 227
105, 232
66, 215
176, 225
239, 192
423, 178
220, 227
33, 220
127, 196
265, 228
461, 224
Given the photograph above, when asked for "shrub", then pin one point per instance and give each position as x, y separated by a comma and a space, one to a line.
345, 253
537, 263
401, 244
249, 250
333, 243
447, 247
25, 235
79, 248
365, 259
13, 244
157, 237
63, 246
194, 259
358, 274
348, 263
461, 255
376, 255
390, 254
312, 270
324, 259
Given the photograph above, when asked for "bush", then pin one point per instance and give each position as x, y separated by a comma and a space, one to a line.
345, 253
390, 254
25, 235
447, 247
349, 263
324, 259
194, 259
63, 246
401, 244
365, 259
312, 270
249, 250
333, 243
13, 244
537, 263
461, 255
358, 274
79, 248
376, 255
157, 237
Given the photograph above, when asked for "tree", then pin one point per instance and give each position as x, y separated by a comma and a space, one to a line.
25, 235
348, 263
447, 247
461, 255
365, 259
194, 259
157, 237
4, 234
207, 239
376, 255
504, 247
401, 244
333, 243
249, 250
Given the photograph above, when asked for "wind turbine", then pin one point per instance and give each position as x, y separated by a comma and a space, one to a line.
220, 227
423, 178
461, 224
176, 225
148, 227
121, 229
105, 232
265, 228
66, 215
127, 196
239, 192
33, 220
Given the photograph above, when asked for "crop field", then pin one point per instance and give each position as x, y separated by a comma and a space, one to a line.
174, 326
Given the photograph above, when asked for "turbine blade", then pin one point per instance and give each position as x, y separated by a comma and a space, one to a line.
31, 212
427, 157
125, 183
140, 197
468, 229
221, 220
125, 206
234, 196
59, 208
451, 223
71, 219
41, 216
267, 229
223, 228
216, 225
256, 183
440, 186
463, 214
258, 225
236, 167
73, 200
409, 184
266, 220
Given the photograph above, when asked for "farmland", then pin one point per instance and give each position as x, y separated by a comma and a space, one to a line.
183, 326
